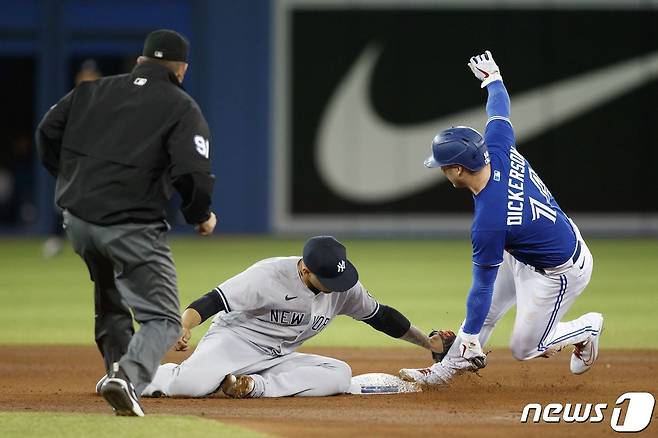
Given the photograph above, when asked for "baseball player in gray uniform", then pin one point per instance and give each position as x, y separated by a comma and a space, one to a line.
264, 314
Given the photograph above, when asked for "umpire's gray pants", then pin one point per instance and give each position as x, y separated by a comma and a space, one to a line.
132, 270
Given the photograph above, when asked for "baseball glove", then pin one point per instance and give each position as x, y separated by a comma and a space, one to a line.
448, 337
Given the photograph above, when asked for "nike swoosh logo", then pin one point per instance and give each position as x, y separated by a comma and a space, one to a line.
366, 159
486, 75
289, 298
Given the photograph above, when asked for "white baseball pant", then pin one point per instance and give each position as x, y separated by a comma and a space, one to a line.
542, 300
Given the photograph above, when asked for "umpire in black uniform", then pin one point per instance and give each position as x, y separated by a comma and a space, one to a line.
117, 145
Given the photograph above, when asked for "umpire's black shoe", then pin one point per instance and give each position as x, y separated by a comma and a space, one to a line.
120, 394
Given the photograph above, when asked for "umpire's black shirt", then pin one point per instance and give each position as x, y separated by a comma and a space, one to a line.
117, 144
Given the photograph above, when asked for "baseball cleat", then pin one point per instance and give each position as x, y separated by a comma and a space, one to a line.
585, 353
120, 394
237, 387
425, 376
99, 385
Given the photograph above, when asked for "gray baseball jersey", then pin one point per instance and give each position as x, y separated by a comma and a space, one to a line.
270, 314
269, 306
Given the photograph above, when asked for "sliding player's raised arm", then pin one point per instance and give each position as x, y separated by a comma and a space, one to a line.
499, 131
498, 103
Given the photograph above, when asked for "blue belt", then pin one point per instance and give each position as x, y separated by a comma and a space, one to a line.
574, 259
577, 253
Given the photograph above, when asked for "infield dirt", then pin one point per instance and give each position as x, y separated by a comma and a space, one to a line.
56, 378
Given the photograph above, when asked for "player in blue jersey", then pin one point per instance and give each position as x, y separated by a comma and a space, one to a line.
526, 251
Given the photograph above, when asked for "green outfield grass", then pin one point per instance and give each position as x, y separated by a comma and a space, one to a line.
64, 425
50, 301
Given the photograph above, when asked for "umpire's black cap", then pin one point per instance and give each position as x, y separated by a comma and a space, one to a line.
167, 45
327, 259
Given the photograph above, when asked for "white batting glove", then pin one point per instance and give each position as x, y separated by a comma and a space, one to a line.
471, 350
485, 69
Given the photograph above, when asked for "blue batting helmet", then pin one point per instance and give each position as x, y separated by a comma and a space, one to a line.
459, 145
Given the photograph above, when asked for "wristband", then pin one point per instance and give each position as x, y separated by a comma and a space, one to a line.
491, 78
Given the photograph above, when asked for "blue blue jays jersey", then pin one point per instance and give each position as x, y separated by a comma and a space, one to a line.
515, 212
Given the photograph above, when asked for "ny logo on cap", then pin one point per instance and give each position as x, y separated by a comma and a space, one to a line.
341, 266
157, 54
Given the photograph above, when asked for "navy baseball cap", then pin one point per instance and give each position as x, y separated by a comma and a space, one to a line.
167, 45
327, 259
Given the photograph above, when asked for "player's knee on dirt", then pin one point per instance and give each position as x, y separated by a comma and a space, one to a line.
524, 346
520, 354
333, 377
344, 376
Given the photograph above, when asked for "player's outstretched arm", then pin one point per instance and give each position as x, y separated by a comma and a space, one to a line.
498, 103
390, 321
438, 342
486, 70
499, 131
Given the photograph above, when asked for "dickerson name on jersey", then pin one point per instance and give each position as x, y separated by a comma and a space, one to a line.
515, 190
